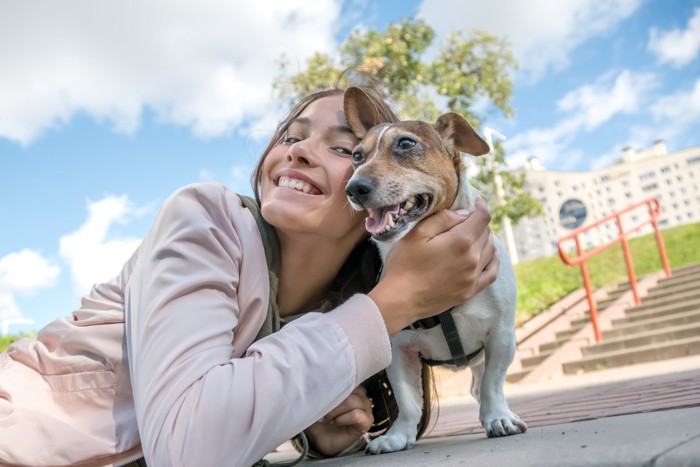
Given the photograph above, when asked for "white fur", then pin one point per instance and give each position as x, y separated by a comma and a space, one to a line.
487, 320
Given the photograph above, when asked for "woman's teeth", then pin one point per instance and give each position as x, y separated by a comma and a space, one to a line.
295, 184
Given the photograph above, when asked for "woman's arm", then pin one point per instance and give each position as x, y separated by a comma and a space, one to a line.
195, 403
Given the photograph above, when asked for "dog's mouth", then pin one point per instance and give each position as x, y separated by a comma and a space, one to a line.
385, 222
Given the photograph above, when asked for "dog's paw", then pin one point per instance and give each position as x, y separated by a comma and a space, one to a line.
390, 443
504, 424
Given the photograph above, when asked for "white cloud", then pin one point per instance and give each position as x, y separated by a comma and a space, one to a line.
542, 33
673, 118
677, 47
94, 257
596, 103
207, 65
23, 273
585, 108
681, 109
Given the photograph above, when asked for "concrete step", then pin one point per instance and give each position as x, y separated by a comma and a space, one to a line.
648, 353
683, 270
651, 302
612, 296
535, 360
680, 282
639, 327
659, 336
553, 345
673, 290
568, 333
660, 312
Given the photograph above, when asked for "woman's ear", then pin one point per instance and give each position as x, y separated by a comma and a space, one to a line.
360, 111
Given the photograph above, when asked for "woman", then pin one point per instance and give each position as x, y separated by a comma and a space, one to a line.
161, 359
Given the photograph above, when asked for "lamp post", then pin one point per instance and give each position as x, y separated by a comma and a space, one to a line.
500, 195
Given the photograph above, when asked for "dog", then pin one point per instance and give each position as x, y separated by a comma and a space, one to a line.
404, 172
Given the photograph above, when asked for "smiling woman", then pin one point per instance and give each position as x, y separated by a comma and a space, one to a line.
169, 360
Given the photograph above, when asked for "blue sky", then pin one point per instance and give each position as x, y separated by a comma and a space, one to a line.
107, 107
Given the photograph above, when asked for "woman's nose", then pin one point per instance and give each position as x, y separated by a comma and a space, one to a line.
301, 152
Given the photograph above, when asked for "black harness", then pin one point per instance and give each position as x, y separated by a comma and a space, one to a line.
447, 323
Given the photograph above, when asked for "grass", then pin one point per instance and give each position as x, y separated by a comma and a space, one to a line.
5, 341
543, 281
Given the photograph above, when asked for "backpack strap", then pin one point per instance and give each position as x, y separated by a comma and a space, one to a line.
272, 255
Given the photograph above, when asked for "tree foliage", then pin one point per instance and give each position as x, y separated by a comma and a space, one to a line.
470, 76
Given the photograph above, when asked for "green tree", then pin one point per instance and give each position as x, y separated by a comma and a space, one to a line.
463, 75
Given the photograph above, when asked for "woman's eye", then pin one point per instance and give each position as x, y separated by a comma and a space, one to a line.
406, 143
342, 151
290, 140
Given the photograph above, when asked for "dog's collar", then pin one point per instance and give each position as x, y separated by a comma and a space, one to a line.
447, 323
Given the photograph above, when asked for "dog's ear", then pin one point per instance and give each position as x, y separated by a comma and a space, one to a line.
360, 111
455, 128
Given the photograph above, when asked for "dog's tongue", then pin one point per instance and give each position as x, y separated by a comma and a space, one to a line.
378, 218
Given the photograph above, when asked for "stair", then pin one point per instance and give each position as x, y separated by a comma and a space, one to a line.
530, 361
665, 325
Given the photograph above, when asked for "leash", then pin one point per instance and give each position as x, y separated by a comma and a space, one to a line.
302, 455
454, 343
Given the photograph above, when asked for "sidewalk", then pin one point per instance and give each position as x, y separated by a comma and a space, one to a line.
640, 415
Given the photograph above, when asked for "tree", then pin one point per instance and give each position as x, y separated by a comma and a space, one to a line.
468, 76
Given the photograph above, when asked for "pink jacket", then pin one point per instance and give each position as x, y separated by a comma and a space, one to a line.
160, 359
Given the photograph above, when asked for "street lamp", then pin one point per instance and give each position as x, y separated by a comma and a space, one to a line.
500, 195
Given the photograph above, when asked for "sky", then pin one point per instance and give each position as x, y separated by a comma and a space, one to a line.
106, 108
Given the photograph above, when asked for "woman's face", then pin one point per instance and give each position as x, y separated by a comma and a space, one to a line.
304, 176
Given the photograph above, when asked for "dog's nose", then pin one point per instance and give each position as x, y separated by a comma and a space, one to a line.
358, 190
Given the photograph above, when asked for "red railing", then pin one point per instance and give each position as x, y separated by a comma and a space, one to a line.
654, 209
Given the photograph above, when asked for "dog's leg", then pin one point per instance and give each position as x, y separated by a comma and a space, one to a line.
477, 367
405, 377
494, 413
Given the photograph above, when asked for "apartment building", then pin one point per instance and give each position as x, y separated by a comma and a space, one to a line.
572, 199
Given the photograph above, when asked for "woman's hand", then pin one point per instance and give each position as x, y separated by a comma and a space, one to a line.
444, 261
343, 426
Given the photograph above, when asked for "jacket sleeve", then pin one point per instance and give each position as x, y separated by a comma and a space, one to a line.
195, 403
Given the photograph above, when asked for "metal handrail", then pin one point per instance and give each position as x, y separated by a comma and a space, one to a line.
654, 209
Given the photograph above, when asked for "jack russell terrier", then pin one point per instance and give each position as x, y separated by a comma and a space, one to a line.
404, 172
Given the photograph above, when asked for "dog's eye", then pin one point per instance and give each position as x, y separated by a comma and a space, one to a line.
357, 157
406, 143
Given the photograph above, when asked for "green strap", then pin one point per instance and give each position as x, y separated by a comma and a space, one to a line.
272, 255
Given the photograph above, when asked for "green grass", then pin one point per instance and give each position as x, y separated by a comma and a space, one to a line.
543, 281
5, 341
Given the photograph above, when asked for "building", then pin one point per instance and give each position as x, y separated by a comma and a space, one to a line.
572, 199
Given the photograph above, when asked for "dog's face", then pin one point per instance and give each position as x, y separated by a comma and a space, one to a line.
404, 171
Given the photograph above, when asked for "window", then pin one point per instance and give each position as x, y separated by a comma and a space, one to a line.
665, 170
647, 175
650, 187
694, 160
